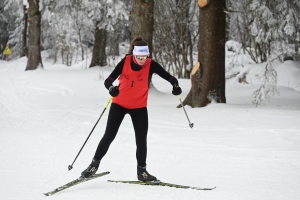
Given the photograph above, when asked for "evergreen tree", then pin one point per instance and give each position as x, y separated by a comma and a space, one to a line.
288, 14
266, 27
70, 27
66, 25
106, 14
3, 27
13, 20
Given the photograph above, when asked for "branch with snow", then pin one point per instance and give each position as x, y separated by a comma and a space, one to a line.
268, 87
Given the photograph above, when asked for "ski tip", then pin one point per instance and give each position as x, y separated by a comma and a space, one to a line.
105, 173
199, 188
210, 188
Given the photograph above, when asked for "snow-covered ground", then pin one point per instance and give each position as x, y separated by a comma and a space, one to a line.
248, 152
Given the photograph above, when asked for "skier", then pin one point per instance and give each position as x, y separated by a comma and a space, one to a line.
130, 97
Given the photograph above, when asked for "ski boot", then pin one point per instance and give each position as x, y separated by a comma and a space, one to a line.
91, 170
144, 176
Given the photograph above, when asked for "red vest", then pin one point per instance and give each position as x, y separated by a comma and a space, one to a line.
133, 87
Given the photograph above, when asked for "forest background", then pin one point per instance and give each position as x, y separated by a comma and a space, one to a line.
248, 151
72, 30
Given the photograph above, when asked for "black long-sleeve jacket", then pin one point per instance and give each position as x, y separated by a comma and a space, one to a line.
154, 68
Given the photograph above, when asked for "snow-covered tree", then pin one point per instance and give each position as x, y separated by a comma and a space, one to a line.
13, 18
3, 27
288, 13
263, 29
65, 26
256, 26
120, 30
71, 26
175, 35
266, 27
267, 89
106, 15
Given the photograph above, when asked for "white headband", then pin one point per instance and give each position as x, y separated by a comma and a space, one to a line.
141, 50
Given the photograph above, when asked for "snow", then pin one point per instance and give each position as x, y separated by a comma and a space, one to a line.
248, 152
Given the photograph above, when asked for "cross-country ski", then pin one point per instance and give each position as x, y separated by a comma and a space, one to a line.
159, 183
75, 182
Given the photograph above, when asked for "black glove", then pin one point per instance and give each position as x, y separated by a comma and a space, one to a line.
176, 90
114, 91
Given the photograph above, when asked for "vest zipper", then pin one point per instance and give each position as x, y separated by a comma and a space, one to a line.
132, 83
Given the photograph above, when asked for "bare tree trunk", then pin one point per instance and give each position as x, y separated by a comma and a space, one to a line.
115, 46
80, 43
142, 20
55, 54
113, 40
228, 7
99, 54
208, 82
24, 38
34, 42
62, 55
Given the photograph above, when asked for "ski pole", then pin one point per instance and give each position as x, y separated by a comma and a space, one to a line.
191, 124
71, 166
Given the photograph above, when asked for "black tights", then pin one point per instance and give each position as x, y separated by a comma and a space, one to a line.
139, 119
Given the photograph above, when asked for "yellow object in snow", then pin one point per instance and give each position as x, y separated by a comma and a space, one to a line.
7, 51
